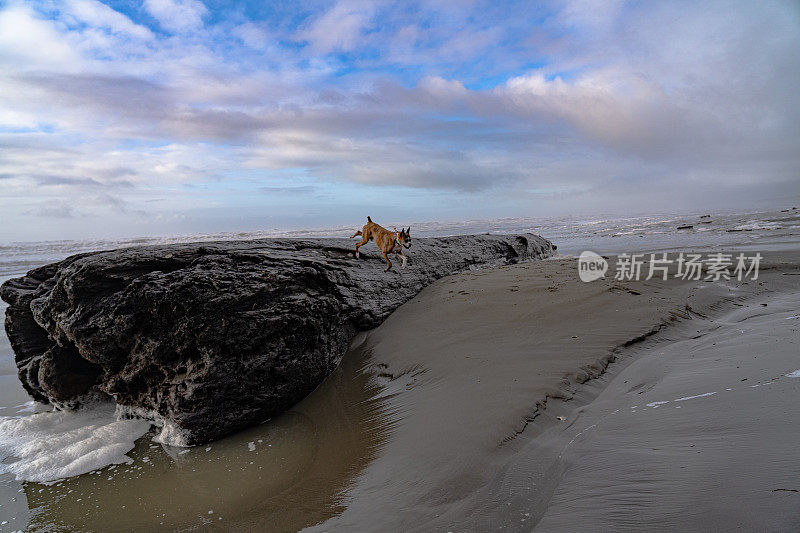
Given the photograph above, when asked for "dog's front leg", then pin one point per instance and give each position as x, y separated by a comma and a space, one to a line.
360, 244
402, 257
387, 262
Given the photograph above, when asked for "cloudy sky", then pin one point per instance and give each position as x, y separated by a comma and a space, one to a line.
129, 117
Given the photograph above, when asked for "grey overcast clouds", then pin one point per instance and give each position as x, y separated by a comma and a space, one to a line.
124, 118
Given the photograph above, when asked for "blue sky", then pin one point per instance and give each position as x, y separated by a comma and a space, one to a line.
151, 117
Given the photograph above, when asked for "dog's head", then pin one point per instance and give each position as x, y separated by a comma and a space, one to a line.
404, 237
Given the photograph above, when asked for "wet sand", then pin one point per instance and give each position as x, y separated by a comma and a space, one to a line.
699, 434
446, 417
481, 365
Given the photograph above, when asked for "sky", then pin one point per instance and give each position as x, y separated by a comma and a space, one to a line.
160, 117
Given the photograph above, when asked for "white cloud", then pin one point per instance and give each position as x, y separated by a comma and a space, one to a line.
592, 15
54, 209
615, 108
339, 29
30, 43
177, 15
253, 35
100, 15
441, 88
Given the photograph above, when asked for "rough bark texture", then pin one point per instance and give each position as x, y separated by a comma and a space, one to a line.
208, 338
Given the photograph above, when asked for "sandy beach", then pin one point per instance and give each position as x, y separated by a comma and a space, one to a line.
696, 434
494, 374
513, 398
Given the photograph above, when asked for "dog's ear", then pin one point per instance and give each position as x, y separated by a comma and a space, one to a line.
408, 231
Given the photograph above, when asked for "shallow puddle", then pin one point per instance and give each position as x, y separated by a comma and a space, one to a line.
283, 475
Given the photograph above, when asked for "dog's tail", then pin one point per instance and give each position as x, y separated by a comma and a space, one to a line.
357, 234
369, 219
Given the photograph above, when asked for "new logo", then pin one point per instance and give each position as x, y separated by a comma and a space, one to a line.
591, 266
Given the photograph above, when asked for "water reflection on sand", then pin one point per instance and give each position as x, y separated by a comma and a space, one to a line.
283, 475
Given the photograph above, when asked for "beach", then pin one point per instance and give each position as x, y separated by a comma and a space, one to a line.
712, 450
496, 394
352, 267
511, 398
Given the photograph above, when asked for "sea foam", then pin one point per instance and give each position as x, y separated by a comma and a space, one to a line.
46, 447
171, 434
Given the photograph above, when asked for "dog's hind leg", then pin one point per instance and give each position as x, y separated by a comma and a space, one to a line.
387, 262
356, 234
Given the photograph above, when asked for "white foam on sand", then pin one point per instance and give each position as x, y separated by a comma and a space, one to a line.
28, 407
795, 374
758, 224
46, 447
695, 396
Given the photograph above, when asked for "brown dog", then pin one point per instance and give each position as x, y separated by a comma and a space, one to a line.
387, 241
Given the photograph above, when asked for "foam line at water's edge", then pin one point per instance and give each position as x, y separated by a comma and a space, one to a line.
46, 447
